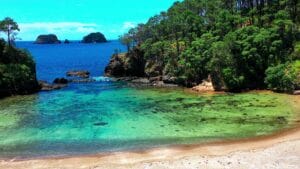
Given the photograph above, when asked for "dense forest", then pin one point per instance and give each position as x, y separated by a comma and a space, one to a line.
17, 68
240, 44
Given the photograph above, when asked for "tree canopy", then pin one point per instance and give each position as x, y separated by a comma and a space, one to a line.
9, 27
234, 41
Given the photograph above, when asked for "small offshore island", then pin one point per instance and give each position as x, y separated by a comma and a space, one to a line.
212, 84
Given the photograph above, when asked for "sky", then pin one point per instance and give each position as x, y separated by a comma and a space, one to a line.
73, 19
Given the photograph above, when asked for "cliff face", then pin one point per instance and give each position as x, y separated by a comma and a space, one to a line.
94, 38
17, 72
47, 39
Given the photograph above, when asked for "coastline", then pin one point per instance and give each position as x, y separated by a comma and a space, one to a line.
283, 144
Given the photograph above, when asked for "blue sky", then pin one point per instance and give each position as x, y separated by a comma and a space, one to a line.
72, 19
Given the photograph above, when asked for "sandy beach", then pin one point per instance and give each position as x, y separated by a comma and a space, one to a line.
281, 150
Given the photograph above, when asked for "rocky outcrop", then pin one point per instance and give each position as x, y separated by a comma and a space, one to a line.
94, 38
61, 81
129, 64
45, 86
66, 41
47, 39
78, 73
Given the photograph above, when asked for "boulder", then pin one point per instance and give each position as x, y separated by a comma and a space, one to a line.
47, 39
206, 85
80, 74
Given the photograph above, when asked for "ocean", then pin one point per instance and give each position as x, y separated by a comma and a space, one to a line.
54, 60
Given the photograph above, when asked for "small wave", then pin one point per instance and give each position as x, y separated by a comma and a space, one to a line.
102, 79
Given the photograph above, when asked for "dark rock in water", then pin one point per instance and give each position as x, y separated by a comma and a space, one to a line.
80, 74
67, 41
94, 38
100, 124
61, 81
47, 39
44, 86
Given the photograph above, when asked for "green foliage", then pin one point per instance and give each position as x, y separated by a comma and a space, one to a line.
17, 68
233, 41
281, 77
9, 27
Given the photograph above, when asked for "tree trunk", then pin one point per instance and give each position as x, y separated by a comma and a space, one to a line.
8, 38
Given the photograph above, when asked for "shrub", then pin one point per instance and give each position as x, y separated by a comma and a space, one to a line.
281, 78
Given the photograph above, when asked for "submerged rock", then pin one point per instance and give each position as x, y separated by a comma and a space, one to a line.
100, 124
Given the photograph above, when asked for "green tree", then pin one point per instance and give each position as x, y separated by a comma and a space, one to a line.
9, 27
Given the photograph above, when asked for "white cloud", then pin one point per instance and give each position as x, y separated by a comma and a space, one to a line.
128, 25
59, 28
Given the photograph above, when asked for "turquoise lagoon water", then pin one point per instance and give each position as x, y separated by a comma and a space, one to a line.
112, 116
103, 117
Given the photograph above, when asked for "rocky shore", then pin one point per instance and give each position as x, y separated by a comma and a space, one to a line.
74, 76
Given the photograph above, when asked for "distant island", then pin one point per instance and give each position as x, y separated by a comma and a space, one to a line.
94, 38
47, 39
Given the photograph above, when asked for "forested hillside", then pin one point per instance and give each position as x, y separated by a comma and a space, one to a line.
241, 44
17, 67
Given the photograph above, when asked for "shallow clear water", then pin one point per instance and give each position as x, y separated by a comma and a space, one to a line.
101, 117
110, 116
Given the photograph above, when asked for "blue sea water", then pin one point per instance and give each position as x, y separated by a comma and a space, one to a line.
54, 60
